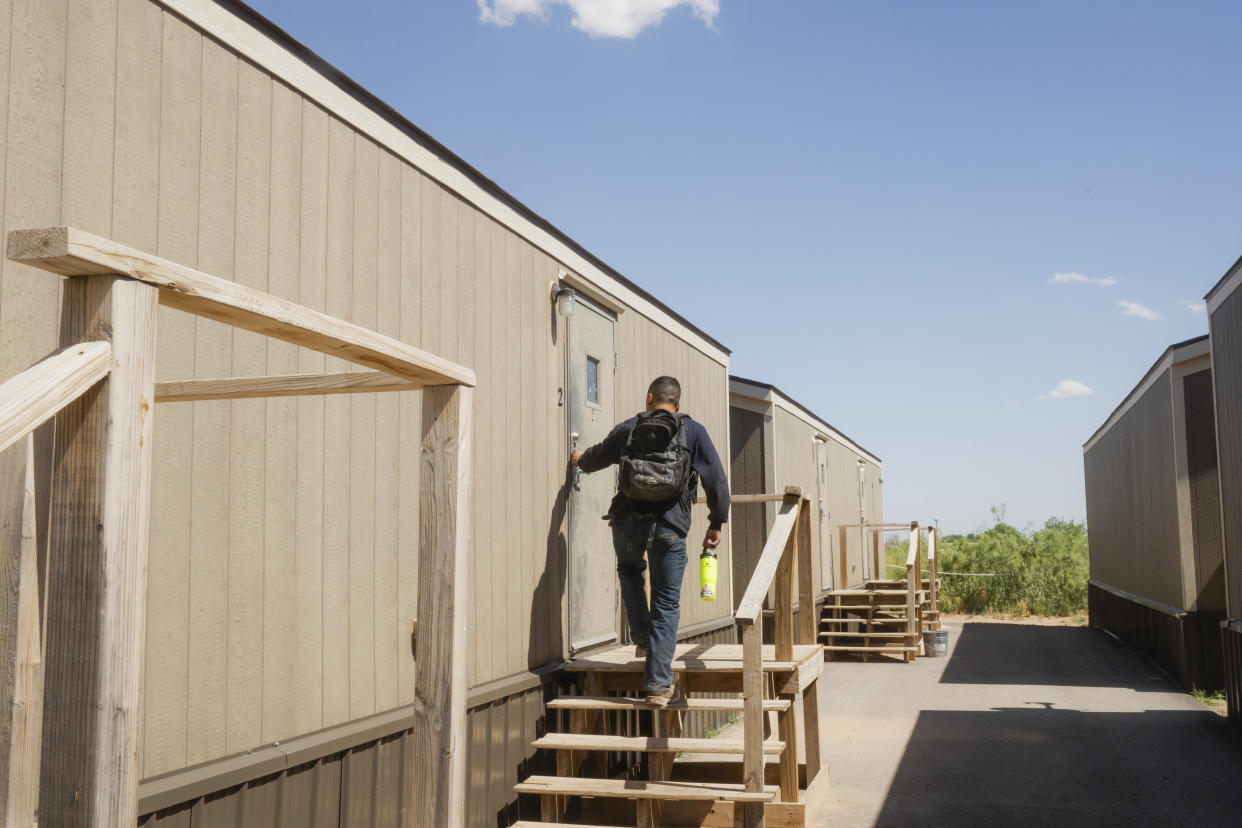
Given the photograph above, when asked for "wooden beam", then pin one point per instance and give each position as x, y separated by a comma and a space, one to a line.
752, 722
913, 576
72, 252
773, 550
933, 574
808, 623
782, 609
439, 790
36, 394
291, 385
843, 558
97, 596
21, 641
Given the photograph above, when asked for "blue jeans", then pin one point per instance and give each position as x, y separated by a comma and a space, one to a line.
632, 535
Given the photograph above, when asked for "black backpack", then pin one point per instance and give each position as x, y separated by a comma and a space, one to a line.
656, 463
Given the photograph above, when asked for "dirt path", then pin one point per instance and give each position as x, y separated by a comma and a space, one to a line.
1023, 724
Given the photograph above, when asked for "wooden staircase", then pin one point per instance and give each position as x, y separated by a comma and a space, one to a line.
885, 616
617, 757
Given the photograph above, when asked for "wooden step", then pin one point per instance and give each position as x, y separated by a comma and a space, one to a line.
630, 703
691, 658
639, 789
525, 823
862, 620
864, 635
846, 593
861, 648
649, 744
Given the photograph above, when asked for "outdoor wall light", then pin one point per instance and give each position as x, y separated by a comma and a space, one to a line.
566, 300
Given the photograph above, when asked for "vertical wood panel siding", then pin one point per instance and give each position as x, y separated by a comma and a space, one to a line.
1208, 594
749, 519
284, 532
1226, 328
1132, 502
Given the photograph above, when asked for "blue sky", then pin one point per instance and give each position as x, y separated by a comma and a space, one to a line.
866, 201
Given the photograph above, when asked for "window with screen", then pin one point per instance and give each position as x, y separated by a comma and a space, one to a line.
592, 380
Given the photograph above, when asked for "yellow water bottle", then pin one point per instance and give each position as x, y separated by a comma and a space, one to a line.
707, 574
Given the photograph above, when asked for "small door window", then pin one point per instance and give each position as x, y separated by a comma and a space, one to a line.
592, 380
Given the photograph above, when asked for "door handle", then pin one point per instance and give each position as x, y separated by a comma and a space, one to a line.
577, 475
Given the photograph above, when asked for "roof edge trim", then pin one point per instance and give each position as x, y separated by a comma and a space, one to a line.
770, 393
242, 29
1222, 290
1174, 354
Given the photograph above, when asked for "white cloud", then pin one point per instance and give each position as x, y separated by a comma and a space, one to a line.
1193, 306
598, 18
1104, 281
1135, 309
1066, 389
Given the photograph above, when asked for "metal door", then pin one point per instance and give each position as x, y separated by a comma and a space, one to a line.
826, 569
592, 564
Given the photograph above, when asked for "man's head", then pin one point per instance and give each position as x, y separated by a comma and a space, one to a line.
664, 392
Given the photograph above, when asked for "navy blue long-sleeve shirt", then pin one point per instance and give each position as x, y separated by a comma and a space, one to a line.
676, 513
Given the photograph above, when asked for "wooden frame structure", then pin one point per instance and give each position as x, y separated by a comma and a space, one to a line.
787, 549
98, 390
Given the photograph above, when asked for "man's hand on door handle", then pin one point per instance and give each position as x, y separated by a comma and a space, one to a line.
574, 457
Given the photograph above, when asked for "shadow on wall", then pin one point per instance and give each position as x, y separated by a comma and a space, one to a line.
987, 653
1040, 765
547, 641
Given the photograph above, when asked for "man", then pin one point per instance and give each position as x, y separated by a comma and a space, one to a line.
659, 528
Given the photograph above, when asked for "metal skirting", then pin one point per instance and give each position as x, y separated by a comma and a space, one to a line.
1231, 643
366, 780
1186, 645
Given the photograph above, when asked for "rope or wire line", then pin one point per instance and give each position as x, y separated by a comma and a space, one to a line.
1012, 574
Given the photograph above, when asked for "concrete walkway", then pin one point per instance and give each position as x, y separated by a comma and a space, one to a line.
1023, 725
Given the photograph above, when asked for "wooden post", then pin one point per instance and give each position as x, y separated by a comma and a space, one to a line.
439, 790
843, 563
914, 579
933, 575
97, 570
752, 722
783, 625
810, 730
808, 622
21, 686
881, 571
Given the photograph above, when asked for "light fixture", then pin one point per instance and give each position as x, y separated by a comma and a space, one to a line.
565, 299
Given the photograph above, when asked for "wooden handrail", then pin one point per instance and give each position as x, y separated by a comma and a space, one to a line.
912, 554
790, 534
751, 604
72, 252
35, 395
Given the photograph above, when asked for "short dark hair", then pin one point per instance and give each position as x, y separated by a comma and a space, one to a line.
665, 390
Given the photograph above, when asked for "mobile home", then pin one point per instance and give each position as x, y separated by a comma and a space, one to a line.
283, 542
1153, 508
1224, 307
778, 442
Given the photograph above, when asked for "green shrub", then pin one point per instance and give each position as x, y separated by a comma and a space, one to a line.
1043, 572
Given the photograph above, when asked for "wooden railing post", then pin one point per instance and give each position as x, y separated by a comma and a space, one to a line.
752, 721
97, 571
21, 639
881, 572
914, 579
439, 789
933, 575
843, 564
808, 622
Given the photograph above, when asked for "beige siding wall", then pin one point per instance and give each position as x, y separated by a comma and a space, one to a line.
646, 351
284, 537
1226, 327
796, 465
1132, 507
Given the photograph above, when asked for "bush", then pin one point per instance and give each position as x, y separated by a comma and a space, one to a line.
1043, 572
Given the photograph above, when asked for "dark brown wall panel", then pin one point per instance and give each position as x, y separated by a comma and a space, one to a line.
1132, 501
1209, 586
1226, 327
